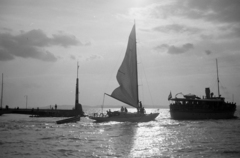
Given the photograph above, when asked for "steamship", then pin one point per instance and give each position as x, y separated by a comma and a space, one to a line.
192, 107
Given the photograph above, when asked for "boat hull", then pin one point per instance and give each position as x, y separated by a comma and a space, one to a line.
127, 117
191, 115
69, 120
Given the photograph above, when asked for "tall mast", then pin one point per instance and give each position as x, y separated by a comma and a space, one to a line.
136, 61
2, 92
77, 69
76, 97
217, 78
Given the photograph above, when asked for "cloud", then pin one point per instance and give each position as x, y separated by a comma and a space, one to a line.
226, 11
231, 31
212, 10
5, 56
72, 57
171, 49
216, 12
63, 40
177, 28
87, 44
208, 52
5, 29
93, 57
31, 45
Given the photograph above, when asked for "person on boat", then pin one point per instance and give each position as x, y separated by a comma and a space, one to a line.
109, 113
140, 107
212, 95
144, 111
126, 109
122, 109
140, 104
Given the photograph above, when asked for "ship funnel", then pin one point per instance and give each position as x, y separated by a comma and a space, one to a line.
207, 91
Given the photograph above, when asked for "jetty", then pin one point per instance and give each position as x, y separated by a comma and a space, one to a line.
42, 112
36, 112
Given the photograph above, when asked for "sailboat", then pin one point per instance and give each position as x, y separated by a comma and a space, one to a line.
127, 92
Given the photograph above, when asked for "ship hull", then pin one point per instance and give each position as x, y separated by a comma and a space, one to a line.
191, 115
127, 117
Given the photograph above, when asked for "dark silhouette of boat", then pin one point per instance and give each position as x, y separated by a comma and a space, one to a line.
191, 107
69, 120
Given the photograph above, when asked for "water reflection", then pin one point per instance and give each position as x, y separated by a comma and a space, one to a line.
156, 138
122, 138
146, 140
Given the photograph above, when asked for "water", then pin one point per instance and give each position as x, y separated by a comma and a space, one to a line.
22, 136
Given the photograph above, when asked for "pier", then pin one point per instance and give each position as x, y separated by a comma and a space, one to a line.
43, 112
77, 111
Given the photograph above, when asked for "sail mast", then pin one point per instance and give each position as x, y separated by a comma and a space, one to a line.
136, 62
217, 78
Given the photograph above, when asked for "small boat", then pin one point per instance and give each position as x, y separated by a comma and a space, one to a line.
191, 107
127, 92
69, 120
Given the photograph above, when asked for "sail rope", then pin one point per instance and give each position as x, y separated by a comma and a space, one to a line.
146, 79
111, 76
103, 101
141, 85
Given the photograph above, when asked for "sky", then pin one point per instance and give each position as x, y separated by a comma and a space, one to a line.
178, 42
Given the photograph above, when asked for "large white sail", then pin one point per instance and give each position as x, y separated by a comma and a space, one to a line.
127, 76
